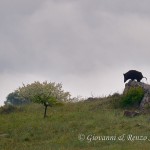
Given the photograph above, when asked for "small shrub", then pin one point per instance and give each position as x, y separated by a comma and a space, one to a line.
132, 98
6, 109
114, 100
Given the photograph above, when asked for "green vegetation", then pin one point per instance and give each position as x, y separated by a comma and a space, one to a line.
25, 129
132, 98
14, 99
7, 109
47, 94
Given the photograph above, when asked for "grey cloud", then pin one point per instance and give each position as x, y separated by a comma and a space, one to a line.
73, 38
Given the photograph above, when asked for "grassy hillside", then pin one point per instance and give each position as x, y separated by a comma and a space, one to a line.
74, 126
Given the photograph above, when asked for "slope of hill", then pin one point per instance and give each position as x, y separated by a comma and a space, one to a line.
89, 125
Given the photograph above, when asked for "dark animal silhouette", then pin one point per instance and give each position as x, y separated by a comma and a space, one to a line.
133, 75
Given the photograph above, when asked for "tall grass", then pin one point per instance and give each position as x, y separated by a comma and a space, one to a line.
27, 130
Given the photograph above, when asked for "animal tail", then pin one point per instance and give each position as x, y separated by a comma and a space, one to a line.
145, 78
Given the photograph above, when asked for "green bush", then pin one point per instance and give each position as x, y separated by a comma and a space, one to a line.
7, 109
132, 98
115, 100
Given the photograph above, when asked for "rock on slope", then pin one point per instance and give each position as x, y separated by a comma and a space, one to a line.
146, 87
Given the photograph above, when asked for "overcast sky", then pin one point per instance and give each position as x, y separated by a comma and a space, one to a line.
86, 45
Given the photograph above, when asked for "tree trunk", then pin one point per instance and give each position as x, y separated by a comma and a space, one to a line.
45, 111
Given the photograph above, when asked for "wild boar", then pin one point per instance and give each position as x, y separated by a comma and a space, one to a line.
133, 75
